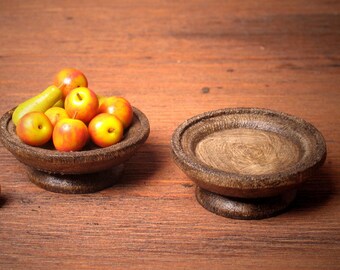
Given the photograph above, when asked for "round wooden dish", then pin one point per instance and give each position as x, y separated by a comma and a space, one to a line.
89, 170
247, 162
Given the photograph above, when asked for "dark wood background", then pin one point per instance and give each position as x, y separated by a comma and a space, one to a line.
172, 60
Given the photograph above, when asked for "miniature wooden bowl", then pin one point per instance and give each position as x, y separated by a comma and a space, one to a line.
84, 171
247, 162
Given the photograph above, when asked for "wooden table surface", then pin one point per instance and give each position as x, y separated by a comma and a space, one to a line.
172, 60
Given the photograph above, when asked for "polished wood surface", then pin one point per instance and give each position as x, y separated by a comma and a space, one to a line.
172, 60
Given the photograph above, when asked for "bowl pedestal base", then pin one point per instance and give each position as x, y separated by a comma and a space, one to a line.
239, 208
77, 183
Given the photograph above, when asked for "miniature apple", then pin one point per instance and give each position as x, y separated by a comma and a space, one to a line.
69, 78
55, 114
70, 135
81, 103
100, 100
34, 128
106, 129
119, 107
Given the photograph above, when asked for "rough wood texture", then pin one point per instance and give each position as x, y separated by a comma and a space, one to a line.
240, 172
172, 60
76, 183
247, 153
239, 208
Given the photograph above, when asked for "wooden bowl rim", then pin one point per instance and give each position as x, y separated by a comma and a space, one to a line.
7, 139
245, 182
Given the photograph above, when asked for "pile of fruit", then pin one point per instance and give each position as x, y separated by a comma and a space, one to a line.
70, 114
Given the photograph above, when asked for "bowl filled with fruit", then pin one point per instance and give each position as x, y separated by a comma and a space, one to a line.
71, 139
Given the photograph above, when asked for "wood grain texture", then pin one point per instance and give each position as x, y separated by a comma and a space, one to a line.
255, 158
248, 151
173, 60
240, 172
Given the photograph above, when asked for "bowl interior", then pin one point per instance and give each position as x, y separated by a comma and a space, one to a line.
247, 149
90, 159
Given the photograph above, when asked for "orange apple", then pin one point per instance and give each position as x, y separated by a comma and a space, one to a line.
106, 129
34, 128
81, 103
119, 107
70, 135
69, 78
55, 114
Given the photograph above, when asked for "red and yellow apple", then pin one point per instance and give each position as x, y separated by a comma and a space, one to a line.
70, 135
105, 130
119, 107
69, 78
34, 128
81, 103
55, 114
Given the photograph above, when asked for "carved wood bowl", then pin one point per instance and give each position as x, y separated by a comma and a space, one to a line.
85, 171
247, 162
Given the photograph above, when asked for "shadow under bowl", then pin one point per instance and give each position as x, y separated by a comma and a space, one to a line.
247, 162
84, 171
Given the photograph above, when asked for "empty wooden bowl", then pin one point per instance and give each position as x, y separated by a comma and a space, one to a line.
89, 170
247, 162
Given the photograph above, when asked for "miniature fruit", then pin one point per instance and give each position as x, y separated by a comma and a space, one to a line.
119, 107
39, 103
69, 78
55, 114
105, 129
59, 103
100, 100
70, 135
63, 111
34, 128
81, 103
